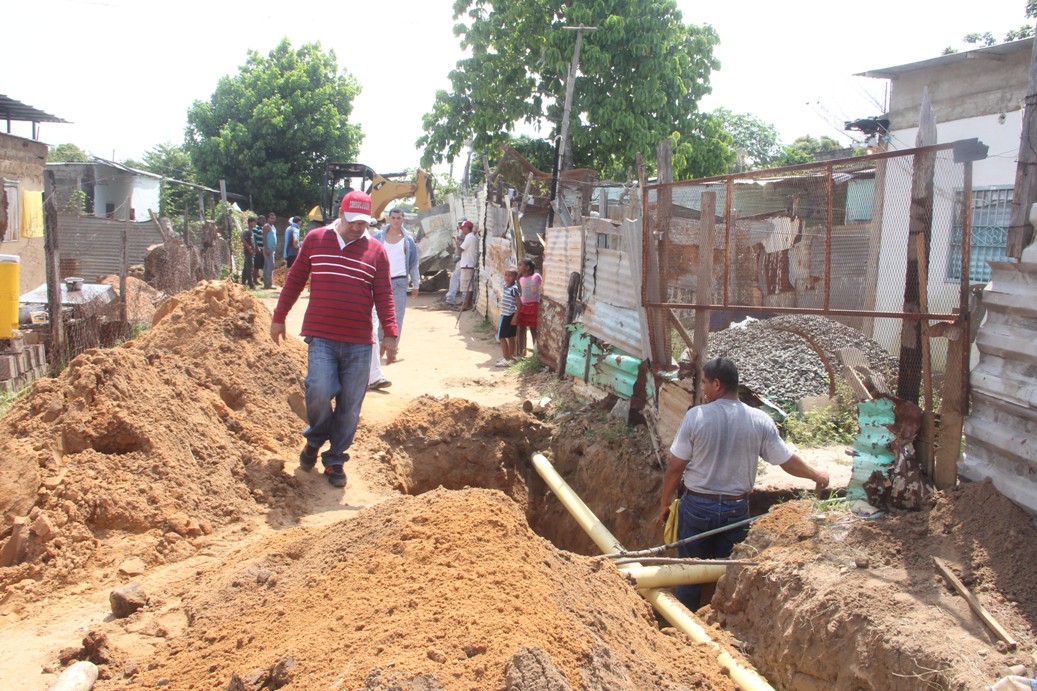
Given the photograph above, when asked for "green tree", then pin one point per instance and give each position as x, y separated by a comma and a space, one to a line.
270, 129
170, 161
754, 141
986, 38
642, 74
803, 149
67, 153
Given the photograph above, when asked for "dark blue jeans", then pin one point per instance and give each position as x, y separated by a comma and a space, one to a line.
697, 515
338, 372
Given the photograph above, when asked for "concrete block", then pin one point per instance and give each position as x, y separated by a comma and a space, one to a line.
9, 366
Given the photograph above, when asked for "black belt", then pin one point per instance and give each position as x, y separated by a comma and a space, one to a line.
719, 497
403, 276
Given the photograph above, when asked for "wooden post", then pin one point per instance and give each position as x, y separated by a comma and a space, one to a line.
1020, 232
52, 257
226, 211
927, 433
920, 223
125, 263
704, 284
662, 341
955, 387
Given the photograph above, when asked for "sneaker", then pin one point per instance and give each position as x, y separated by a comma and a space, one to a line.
308, 457
382, 383
502, 363
336, 476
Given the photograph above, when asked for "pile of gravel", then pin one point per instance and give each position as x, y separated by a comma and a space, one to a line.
781, 365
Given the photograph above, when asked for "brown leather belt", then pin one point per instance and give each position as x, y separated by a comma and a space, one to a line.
719, 497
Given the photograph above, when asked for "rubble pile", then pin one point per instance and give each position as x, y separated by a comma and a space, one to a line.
781, 365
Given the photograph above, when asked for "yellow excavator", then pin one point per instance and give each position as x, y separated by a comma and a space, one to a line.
339, 178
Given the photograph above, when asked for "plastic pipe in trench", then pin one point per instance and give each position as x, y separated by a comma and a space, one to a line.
655, 578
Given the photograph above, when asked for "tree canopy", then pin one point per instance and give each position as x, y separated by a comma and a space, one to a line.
67, 153
270, 129
641, 75
755, 142
803, 150
987, 38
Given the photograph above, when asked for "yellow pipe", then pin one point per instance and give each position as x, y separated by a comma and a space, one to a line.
663, 602
669, 575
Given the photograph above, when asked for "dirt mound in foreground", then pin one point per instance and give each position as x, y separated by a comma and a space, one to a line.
842, 602
143, 449
447, 590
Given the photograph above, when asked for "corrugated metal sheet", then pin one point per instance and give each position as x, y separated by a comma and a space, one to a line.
96, 243
1000, 431
550, 332
871, 450
562, 255
606, 368
674, 401
612, 287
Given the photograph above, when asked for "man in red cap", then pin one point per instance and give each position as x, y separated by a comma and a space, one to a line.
348, 273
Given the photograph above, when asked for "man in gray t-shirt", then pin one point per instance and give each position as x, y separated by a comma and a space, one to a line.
715, 452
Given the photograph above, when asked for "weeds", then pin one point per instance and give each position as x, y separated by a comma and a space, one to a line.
529, 365
483, 327
835, 424
8, 398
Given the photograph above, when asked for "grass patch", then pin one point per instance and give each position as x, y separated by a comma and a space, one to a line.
8, 398
835, 424
264, 293
483, 327
529, 365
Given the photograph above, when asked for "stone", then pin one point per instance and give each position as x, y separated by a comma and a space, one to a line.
133, 566
281, 673
43, 527
127, 599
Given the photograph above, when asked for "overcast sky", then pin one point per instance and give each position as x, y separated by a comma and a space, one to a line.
125, 72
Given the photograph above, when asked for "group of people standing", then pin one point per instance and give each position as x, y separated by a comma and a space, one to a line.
259, 241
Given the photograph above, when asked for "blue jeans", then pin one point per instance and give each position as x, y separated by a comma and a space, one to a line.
399, 300
268, 268
335, 371
697, 515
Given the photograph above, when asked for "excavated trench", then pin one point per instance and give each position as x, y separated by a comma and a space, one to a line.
832, 602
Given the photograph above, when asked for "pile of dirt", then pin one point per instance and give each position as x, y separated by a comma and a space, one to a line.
143, 449
841, 602
141, 298
447, 590
454, 443
777, 357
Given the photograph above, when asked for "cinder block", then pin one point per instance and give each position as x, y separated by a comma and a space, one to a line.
9, 368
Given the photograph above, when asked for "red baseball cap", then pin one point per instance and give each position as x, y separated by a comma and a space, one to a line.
465, 224
357, 206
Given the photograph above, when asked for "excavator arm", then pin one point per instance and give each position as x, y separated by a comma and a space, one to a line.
382, 188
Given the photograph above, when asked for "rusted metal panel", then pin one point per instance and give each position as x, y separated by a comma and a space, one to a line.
499, 255
97, 243
1000, 430
619, 326
550, 331
562, 255
674, 401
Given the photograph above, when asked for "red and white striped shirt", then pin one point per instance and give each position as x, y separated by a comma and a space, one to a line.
345, 281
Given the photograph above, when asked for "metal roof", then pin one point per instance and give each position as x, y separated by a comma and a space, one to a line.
991, 52
11, 109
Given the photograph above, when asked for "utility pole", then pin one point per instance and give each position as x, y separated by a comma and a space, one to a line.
560, 147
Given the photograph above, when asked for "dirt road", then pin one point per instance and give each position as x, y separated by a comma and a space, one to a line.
438, 357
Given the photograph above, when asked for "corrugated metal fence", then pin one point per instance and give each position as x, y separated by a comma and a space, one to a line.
92, 247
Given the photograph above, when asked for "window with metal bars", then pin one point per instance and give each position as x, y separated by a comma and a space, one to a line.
991, 215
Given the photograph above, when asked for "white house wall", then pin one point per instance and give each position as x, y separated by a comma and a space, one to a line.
997, 169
